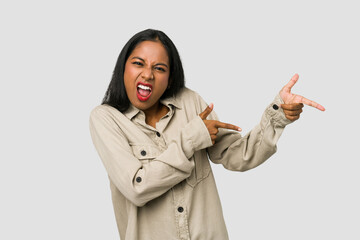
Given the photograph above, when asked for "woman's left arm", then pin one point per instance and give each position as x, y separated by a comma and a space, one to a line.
239, 153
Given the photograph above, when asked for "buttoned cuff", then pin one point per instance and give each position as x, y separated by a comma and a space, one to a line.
276, 113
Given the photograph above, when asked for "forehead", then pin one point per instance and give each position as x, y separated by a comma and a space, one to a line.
150, 51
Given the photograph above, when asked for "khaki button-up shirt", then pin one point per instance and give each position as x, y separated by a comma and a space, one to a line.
161, 180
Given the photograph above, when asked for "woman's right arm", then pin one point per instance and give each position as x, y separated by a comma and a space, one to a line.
141, 182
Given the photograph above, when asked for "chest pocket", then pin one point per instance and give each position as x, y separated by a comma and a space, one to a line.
145, 153
201, 170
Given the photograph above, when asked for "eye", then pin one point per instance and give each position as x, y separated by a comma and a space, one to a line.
160, 69
138, 63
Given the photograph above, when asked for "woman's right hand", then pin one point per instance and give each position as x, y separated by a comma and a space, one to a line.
213, 125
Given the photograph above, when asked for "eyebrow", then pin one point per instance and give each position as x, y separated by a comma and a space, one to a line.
162, 64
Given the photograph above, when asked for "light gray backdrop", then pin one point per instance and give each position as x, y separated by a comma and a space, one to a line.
56, 61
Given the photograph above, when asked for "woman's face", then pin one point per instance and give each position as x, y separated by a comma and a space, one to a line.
146, 74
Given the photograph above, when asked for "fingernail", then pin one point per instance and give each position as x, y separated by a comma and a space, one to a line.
239, 129
211, 105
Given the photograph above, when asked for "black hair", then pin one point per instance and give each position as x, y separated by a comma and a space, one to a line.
116, 96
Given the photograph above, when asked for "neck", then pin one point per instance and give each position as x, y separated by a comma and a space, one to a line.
153, 110
155, 113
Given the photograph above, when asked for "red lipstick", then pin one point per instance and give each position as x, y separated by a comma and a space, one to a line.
143, 92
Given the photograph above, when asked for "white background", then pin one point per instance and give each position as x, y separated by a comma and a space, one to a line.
57, 59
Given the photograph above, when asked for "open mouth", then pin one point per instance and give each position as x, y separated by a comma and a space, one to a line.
143, 91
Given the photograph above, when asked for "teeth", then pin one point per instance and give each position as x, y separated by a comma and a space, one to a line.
144, 87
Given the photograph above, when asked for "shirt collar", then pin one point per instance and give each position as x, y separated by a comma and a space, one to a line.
132, 111
171, 101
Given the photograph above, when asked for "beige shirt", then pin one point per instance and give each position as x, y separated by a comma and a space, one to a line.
161, 180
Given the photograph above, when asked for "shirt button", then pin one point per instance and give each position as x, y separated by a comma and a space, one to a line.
138, 179
276, 107
180, 209
158, 134
143, 153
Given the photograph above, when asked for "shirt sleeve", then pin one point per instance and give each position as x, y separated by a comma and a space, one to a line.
141, 182
239, 153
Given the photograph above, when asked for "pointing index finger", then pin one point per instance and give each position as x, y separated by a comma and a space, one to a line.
227, 126
312, 104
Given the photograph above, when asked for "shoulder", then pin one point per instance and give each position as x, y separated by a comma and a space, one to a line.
102, 110
186, 96
190, 99
105, 113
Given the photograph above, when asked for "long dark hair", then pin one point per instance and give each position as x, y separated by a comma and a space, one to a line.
116, 96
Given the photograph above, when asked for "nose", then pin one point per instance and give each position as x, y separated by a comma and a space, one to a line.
147, 74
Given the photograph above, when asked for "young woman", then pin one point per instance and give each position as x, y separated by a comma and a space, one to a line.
155, 138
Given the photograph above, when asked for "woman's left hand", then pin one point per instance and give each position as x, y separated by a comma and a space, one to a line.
294, 103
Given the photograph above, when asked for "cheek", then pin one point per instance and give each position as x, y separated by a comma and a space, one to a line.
129, 76
163, 82
127, 71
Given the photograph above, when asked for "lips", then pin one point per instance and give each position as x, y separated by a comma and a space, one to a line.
143, 91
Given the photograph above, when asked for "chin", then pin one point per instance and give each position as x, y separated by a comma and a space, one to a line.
142, 105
